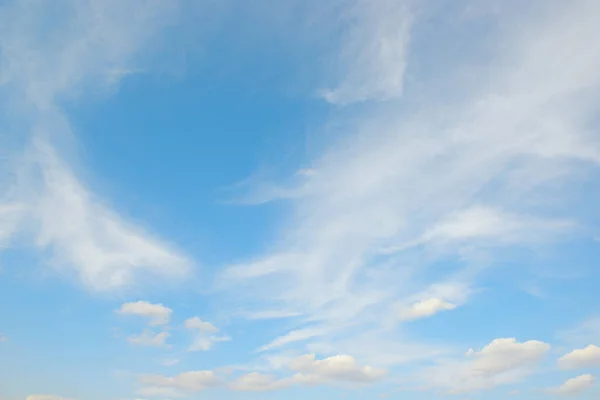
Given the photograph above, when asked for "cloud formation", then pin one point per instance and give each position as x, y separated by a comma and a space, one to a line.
157, 314
588, 357
575, 386
205, 334
501, 362
333, 369
425, 308
373, 55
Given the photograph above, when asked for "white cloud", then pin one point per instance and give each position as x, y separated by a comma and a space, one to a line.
371, 61
587, 357
332, 369
91, 46
151, 339
310, 371
201, 326
425, 308
182, 384
205, 336
575, 386
80, 233
157, 314
501, 362
468, 172
433, 299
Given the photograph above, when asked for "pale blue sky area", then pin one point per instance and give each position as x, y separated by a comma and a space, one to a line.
340, 199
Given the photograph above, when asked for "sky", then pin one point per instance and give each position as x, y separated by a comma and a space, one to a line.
342, 199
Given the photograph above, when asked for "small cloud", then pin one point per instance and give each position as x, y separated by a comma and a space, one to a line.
201, 326
157, 313
588, 357
425, 308
336, 368
205, 334
575, 386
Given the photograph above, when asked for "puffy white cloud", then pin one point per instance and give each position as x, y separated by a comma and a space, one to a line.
201, 326
182, 384
575, 386
158, 314
340, 368
90, 49
205, 336
503, 361
398, 187
80, 233
151, 339
484, 223
587, 357
310, 371
425, 308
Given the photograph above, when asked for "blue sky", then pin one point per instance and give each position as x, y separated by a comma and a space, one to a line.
279, 200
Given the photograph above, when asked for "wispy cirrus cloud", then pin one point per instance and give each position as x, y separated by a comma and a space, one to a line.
372, 57
588, 357
405, 187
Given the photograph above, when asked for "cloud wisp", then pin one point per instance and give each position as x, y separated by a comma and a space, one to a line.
43, 204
